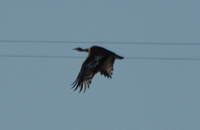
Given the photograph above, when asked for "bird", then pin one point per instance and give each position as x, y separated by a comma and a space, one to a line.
100, 60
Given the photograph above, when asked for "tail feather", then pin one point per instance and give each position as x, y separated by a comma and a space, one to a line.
119, 57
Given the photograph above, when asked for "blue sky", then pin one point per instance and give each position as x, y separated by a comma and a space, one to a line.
35, 93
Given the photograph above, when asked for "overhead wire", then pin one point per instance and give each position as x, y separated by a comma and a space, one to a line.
98, 42
129, 58
95, 42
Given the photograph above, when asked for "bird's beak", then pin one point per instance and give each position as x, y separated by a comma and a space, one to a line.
74, 49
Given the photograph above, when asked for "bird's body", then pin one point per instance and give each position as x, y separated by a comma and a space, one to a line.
99, 60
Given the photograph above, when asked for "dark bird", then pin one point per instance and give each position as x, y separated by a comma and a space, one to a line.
99, 60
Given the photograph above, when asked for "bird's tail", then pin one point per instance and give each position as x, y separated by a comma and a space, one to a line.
119, 57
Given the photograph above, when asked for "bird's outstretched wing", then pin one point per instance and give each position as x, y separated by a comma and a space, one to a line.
88, 70
107, 68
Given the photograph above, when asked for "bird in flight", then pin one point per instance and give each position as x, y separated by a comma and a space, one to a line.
100, 60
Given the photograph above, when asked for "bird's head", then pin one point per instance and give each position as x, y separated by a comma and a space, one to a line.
80, 49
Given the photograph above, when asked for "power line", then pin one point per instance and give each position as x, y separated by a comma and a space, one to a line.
163, 58
37, 56
96, 42
129, 58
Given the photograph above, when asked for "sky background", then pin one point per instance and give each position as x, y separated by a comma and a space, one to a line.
35, 93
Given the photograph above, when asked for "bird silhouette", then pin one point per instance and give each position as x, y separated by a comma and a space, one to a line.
100, 60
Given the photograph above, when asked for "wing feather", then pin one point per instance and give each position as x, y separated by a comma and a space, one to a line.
107, 68
87, 72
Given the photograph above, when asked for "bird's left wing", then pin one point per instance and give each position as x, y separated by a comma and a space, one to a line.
87, 72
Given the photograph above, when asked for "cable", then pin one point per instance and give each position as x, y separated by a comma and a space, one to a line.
36, 56
163, 58
95, 42
76, 42
129, 58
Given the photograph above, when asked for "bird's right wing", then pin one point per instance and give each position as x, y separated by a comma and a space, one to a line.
87, 72
107, 68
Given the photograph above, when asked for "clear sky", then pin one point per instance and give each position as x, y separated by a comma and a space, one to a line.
153, 94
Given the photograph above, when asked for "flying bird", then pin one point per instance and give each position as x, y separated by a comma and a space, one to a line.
98, 60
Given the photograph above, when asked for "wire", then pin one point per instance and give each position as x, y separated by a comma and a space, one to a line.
36, 56
129, 58
95, 42
163, 58
85, 42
